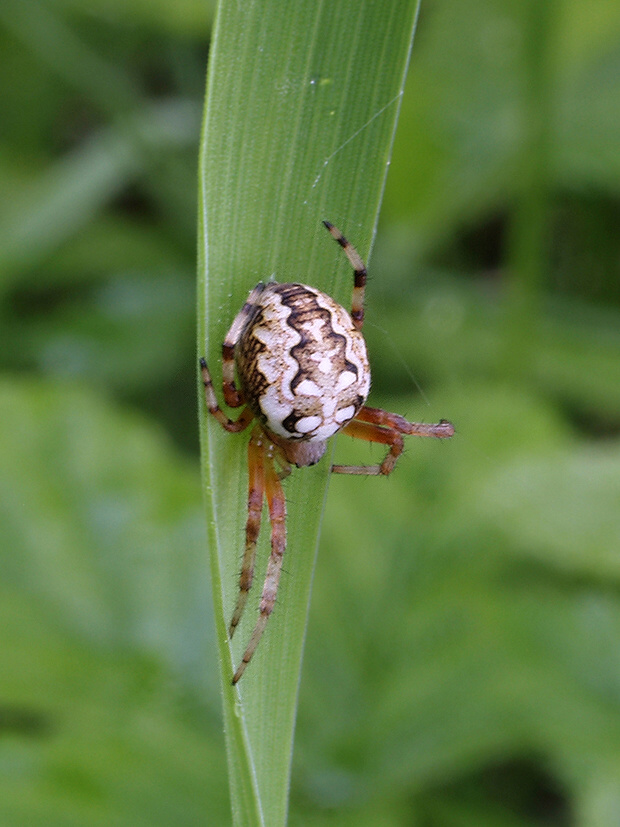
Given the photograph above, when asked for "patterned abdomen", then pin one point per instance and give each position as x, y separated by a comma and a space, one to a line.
301, 363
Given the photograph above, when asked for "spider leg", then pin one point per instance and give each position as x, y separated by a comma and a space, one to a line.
359, 275
232, 425
376, 425
256, 492
441, 430
277, 517
285, 465
373, 433
232, 396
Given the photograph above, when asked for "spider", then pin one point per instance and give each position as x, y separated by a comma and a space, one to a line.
304, 376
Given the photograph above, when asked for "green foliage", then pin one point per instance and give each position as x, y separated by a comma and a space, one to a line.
265, 183
461, 663
107, 713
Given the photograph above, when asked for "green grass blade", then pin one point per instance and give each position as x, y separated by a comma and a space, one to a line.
302, 102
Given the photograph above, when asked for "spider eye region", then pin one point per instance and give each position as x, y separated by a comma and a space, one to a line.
302, 364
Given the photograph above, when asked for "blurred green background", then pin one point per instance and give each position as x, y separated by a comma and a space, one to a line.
463, 655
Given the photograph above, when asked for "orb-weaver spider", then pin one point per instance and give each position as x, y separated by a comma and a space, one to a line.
304, 375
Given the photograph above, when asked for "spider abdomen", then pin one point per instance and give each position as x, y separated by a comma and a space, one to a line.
302, 363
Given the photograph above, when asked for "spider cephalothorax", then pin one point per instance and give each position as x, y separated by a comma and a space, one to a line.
304, 375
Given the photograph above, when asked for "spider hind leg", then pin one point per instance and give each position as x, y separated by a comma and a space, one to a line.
359, 274
232, 425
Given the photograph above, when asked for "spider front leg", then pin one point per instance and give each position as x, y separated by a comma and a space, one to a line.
256, 492
263, 456
376, 425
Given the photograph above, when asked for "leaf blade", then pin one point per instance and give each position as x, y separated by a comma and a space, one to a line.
302, 102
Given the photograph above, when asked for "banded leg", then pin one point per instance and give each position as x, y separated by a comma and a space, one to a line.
359, 275
376, 425
232, 396
232, 425
440, 430
277, 517
256, 492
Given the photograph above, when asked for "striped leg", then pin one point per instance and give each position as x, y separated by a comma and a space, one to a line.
359, 275
256, 492
277, 517
232, 425
232, 396
376, 425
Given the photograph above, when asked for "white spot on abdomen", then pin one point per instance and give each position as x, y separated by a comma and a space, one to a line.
307, 424
344, 414
345, 379
308, 388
